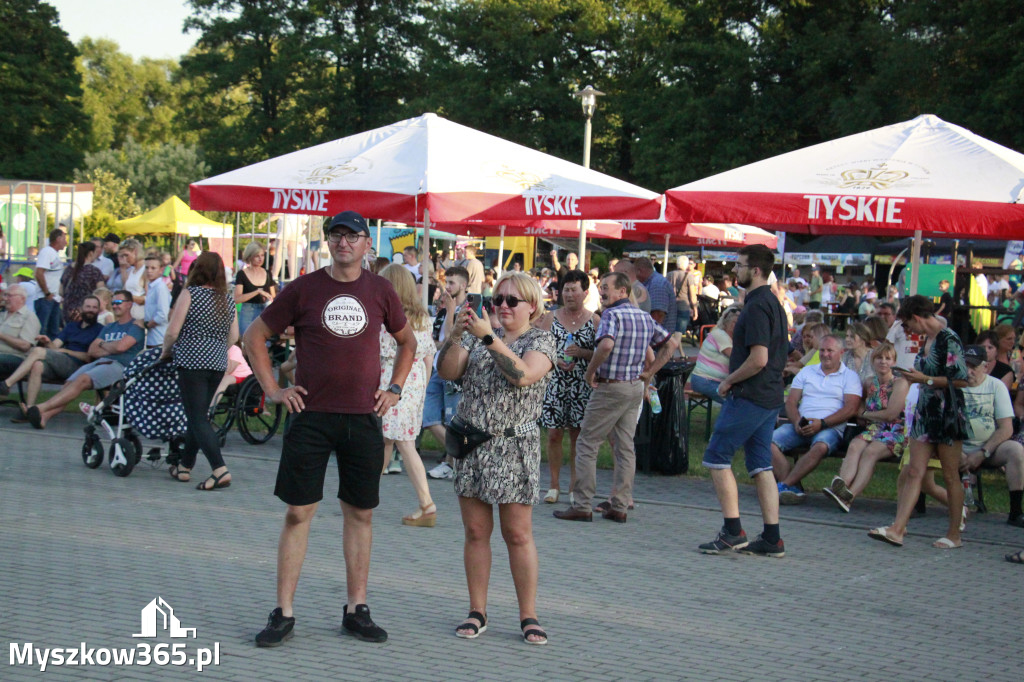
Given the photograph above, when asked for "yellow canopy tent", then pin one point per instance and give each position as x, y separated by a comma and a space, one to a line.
173, 218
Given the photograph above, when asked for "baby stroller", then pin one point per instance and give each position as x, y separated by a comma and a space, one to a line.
146, 402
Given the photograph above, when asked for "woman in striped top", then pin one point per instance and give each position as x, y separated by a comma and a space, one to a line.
713, 358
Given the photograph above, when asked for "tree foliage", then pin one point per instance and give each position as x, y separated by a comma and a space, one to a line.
124, 98
43, 129
155, 172
112, 195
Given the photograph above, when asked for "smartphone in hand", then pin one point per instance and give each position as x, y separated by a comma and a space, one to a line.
804, 422
900, 370
476, 302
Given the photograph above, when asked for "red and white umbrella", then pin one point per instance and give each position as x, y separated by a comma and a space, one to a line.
720, 235
426, 169
922, 175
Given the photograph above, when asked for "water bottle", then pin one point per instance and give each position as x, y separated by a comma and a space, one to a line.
968, 490
654, 399
566, 358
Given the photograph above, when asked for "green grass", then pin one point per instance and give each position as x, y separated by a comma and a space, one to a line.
882, 485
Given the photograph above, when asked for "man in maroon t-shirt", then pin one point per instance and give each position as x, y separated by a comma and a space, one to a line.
337, 313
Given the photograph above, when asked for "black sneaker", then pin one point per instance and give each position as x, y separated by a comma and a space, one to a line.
724, 543
278, 629
761, 547
359, 624
1017, 521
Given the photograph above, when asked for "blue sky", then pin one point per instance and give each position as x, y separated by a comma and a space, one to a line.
143, 28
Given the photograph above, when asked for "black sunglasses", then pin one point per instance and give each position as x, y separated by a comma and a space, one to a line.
512, 301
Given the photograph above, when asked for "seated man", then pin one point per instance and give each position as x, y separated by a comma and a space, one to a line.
117, 344
58, 359
820, 401
990, 411
19, 328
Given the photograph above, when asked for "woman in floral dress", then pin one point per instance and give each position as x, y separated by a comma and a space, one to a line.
568, 392
940, 424
884, 397
504, 375
402, 423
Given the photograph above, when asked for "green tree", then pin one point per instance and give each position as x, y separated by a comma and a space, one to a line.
124, 98
509, 67
366, 72
44, 125
261, 50
155, 172
112, 200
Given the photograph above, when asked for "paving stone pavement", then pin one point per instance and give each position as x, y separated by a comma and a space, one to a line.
84, 551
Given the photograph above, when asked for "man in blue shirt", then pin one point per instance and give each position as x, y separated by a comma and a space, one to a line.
57, 359
663, 295
117, 345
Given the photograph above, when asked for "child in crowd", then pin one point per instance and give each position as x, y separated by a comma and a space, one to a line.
105, 295
158, 303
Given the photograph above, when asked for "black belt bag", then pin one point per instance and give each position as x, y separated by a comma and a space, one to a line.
462, 437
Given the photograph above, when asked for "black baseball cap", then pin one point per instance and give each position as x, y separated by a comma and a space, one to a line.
349, 219
975, 355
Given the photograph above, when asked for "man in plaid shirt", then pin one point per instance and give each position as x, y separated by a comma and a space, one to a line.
619, 372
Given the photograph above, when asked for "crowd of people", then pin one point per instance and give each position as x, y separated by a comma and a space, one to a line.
493, 360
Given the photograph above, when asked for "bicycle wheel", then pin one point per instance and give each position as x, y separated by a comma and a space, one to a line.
258, 418
222, 416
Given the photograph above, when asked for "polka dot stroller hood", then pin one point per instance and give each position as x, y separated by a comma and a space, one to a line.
153, 402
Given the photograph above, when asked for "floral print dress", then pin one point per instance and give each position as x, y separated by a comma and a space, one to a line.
503, 470
890, 434
568, 392
405, 419
940, 416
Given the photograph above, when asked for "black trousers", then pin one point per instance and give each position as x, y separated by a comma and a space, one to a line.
197, 389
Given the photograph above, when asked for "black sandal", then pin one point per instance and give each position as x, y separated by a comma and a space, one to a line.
217, 485
1015, 558
536, 631
477, 630
177, 472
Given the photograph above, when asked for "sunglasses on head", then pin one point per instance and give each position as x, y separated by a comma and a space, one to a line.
119, 301
512, 301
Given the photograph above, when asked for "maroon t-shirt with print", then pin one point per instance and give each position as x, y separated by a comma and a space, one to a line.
337, 336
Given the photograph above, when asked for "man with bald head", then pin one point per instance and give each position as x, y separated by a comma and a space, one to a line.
639, 292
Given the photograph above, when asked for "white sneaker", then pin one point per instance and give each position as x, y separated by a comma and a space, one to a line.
442, 470
395, 467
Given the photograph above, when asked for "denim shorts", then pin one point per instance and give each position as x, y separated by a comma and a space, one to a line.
786, 438
102, 372
438, 405
708, 387
741, 423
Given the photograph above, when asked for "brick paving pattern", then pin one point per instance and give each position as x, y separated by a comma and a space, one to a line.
84, 551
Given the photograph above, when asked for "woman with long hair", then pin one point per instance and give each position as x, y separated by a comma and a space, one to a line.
254, 287
504, 374
202, 326
940, 424
858, 351
79, 281
129, 275
403, 422
885, 395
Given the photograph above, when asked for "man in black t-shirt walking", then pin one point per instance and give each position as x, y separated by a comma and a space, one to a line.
753, 393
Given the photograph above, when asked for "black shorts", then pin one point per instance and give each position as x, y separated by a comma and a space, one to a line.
357, 440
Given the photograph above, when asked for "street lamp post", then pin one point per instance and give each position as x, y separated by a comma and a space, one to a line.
588, 98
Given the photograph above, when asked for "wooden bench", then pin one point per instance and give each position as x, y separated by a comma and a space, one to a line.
698, 400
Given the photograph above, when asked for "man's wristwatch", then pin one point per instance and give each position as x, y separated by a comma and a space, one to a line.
396, 389
487, 339
985, 452
931, 381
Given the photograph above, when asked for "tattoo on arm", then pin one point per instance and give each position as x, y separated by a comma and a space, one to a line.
507, 365
445, 347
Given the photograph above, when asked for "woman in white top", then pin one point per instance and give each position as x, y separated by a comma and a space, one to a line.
132, 270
